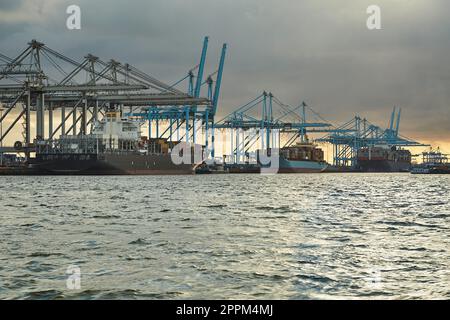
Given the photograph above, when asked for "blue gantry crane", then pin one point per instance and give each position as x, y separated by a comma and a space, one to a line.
192, 117
260, 123
358, 132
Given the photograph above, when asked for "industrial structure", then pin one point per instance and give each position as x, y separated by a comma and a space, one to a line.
358, 133
40, 81
265, 123
183, 122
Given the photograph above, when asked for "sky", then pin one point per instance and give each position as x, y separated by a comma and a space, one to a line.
317, 51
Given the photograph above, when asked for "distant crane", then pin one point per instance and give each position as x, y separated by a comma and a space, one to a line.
262, 120
357, 133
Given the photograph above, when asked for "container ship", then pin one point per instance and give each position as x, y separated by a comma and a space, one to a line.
302, 157
383, 159
114, 147
433, 162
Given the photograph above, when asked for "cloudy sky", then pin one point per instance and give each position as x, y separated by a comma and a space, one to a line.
319, 51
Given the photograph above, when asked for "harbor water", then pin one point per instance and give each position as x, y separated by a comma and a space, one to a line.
297, 236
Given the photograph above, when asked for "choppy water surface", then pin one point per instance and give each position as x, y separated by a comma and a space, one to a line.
226, 236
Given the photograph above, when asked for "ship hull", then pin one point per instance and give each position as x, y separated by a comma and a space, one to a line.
301, 166
244, 168
383, 166
109, 164
431, 170
284, 166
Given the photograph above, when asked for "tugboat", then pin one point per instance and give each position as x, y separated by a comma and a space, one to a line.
433, 162
114, 147
383, 159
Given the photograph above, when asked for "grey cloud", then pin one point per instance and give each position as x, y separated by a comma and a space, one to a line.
7, 5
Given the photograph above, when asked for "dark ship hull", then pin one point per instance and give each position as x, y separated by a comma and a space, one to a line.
383, 166
284, 166
438, 169
243, 168
109, 164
